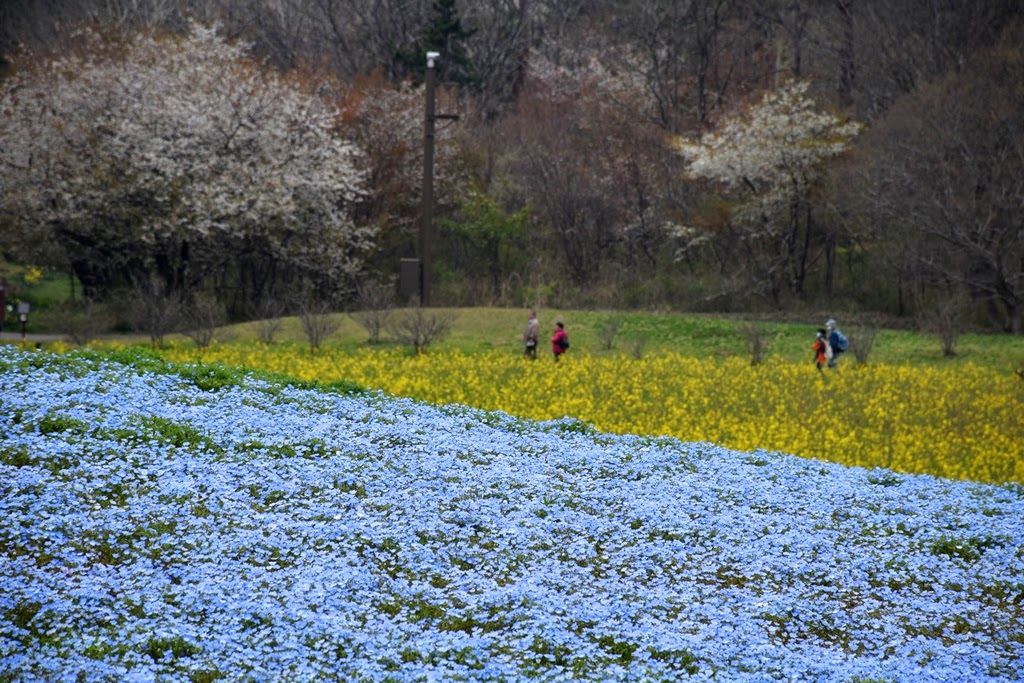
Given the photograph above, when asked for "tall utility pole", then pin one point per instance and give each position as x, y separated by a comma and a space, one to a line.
426, 228
428, 181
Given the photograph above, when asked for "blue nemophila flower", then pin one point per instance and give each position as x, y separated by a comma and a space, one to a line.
150, 530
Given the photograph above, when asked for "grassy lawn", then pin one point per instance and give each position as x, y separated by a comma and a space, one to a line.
701, 336
789, 336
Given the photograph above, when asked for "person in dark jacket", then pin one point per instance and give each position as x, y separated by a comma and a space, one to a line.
836, 341
532, 335
560, 341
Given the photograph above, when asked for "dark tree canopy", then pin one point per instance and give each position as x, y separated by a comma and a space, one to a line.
570, 117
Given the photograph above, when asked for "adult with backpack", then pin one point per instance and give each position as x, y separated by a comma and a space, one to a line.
837, 340
560, 341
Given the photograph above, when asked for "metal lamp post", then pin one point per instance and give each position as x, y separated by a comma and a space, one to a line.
428, 179
23, 309
426, 228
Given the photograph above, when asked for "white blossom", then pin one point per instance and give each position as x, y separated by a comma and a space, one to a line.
772, 152
157, 138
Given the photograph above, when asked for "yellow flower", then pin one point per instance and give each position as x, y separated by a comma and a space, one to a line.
33, 274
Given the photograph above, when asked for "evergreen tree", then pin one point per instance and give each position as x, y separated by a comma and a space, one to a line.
445, 34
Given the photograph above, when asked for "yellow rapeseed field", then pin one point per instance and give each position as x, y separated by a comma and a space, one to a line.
962, 423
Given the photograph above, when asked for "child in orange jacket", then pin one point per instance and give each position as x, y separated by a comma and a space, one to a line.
821, 349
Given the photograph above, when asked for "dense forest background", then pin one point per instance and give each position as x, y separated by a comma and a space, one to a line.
686, 155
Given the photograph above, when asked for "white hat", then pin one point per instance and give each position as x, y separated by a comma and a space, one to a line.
830, 323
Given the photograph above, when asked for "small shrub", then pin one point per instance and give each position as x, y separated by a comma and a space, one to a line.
607, 330
83, 322
862, 341
419, 327
636, 347
268, 318
318, 323
757, 340
946, 321
203, 318
153, 311
376, 304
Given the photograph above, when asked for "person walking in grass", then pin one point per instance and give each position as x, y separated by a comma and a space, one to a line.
532, 335
837, 342
821, 349
559, 341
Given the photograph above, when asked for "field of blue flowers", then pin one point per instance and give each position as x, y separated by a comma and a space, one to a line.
156, 526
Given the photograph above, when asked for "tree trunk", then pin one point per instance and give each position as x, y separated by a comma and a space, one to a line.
847, 66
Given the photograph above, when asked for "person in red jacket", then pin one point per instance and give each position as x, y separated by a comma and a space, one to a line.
560, 341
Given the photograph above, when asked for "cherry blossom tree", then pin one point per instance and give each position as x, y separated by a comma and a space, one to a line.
768, 161
178, 156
